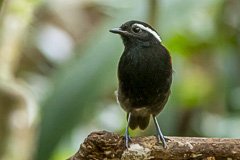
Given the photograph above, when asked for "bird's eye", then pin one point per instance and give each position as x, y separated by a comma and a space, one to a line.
136, 29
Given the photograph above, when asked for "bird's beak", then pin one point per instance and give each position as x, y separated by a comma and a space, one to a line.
118, 31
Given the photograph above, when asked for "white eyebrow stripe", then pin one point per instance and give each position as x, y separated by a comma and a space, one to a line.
149, 30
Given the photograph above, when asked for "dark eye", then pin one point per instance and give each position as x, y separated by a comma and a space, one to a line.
136, 29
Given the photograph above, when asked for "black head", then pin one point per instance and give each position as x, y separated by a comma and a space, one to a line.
137, 33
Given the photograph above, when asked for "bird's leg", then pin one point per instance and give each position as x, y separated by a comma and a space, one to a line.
159, 133
127, 137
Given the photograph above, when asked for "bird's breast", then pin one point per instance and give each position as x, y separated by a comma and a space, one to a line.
144, 75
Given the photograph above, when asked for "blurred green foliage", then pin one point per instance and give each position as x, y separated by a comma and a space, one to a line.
78, 88
69, 60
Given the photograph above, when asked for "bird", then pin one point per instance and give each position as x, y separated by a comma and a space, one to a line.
144, 76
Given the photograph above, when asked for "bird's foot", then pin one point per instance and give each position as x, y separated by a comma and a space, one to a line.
127, 139
162, 139
167, 139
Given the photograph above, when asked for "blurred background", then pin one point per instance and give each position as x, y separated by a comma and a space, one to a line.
58, 71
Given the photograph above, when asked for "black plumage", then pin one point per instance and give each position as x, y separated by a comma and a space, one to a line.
144, 74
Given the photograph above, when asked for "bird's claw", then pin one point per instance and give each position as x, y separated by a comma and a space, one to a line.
163, 140
127, 139
167, 139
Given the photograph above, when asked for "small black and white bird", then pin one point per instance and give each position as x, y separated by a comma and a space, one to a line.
144, 75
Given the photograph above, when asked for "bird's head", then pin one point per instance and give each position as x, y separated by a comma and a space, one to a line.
137, 33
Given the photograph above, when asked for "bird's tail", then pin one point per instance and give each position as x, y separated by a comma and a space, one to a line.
137, 120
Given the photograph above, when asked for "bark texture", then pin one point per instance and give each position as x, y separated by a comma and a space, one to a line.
107, 145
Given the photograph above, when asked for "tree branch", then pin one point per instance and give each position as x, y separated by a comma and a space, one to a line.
106, 145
